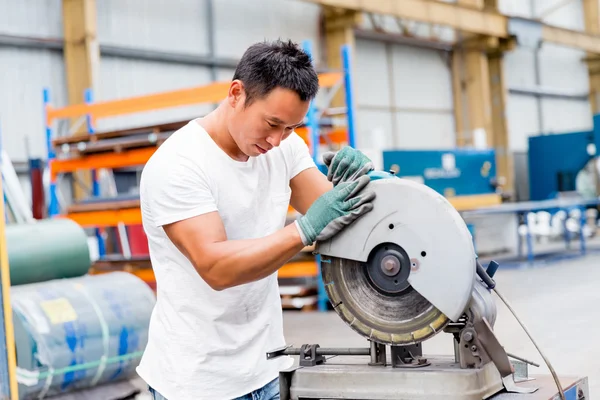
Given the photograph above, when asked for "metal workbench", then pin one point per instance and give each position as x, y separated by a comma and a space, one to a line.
521, 209
350, 377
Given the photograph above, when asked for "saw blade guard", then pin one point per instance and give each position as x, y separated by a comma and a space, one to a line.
426, 228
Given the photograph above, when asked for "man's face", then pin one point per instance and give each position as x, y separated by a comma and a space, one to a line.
263, 124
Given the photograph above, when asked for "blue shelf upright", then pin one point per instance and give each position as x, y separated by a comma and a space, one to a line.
313, 123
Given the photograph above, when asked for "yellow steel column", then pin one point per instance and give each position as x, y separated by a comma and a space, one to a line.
339, 31
479, 93
7, 308
81, 55
591, 13
471, 86
504, 160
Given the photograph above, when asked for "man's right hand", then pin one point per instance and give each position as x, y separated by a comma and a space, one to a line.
335, 210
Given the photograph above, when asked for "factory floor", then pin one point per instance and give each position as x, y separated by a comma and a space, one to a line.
558, 303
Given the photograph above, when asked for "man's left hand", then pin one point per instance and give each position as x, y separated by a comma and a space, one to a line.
346, 165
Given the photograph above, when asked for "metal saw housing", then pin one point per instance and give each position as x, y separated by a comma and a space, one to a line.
434, 241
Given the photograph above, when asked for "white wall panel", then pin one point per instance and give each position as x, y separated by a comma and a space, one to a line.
560, 13
421, 131
519, 68
562, 115
374, 130
240, 23
166, 25
23, 75
522, 117
406, 90
120, 78
563, 68
38, 18
371, 74
422, 79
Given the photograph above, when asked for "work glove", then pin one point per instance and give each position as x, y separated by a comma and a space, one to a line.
346, 165
335, 210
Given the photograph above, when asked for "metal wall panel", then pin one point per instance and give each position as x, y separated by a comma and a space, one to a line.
39, 18
566, 14
371, 74
562, 115
23, 75
422, 79
374, 130
374, 121
519, 68
425, 131
165, 25
120, 78
404, 97
560, 70
522, 117
240, 23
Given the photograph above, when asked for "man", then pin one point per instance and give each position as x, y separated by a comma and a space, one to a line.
214, 200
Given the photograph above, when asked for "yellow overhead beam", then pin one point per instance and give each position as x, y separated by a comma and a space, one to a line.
482, 21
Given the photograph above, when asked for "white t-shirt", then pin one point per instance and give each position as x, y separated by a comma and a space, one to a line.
207, 344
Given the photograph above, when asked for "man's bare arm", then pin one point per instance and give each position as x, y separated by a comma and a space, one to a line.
226, 263
307, 187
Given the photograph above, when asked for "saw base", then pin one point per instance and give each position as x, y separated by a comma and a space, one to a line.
344, 377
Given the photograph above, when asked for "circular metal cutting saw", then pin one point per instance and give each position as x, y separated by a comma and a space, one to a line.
400, 273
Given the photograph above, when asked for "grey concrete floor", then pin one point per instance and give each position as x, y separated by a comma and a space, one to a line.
558, 303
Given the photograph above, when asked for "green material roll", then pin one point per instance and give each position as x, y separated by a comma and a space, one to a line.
45, 250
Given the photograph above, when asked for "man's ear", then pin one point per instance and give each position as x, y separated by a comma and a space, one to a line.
236, 93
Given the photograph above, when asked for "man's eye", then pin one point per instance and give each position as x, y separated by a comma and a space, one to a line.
271, 125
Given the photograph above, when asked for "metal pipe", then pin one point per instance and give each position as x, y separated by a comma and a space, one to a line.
167, 57
537, 74
210, 30
326, 351
392, 95
405, 109
548, 93
522, 359
57, 44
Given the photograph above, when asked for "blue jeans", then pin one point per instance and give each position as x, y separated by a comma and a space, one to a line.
268, 392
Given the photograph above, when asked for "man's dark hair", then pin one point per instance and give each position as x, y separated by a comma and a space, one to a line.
267, 65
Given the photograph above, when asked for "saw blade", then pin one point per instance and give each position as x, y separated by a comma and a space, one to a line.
398, 318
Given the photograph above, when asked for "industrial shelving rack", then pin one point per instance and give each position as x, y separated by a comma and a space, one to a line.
98, 213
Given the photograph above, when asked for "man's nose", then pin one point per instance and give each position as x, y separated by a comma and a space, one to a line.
275, 139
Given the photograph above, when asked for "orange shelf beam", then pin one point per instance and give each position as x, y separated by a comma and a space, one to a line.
105, 160
338, 136
106, 218
211, 93
299, 269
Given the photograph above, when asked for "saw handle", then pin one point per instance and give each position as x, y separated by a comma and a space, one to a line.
375, 175
484, 275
